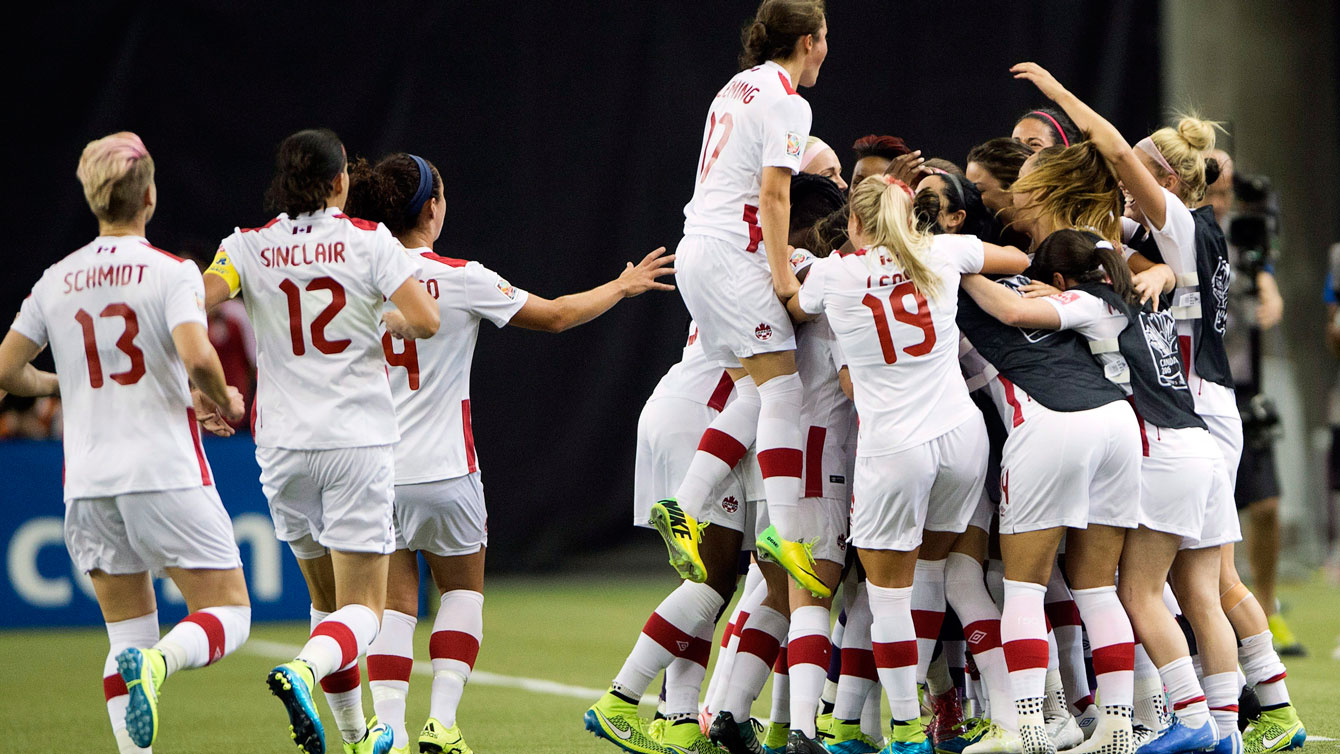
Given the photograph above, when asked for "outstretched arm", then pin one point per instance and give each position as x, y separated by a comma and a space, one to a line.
564, 312
1148, 194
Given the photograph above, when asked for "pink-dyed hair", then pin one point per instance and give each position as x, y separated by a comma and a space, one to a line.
114, 171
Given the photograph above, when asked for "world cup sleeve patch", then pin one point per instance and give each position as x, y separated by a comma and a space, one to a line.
1066, 297
506, 289
792, 144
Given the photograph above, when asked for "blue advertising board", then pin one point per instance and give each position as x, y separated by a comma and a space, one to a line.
43, 588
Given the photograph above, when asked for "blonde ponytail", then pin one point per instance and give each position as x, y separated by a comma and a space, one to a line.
1185, 147
883, 207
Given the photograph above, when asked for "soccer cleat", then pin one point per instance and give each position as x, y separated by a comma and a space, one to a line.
292, 682
1112, 733
1230, 744
435, 738
1178, 738
799, 743
1064, 730
796, 558
144, 671
616, 721
908, 738
996, 740
736, 738
1286, 644
776, 736
848, 738
966, 734
688, 738
946, 715
656, 729
377, 739
681, 533
1277, 729
1140, 735
823, 727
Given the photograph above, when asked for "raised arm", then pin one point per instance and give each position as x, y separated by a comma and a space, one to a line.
1146, 191
17, 375
564, 312
1008, 306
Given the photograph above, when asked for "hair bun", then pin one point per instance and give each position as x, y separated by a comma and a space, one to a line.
1212, 170
1198, 134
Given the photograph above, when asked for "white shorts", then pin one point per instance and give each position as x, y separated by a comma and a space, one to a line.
1221, 525
341, 498
1070, 469
1227, 432
824, 520
935, 486
668, 432
445, 517
984, 512
150, 531
729, 293
1177, 480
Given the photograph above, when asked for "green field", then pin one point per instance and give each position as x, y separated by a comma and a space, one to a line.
571, 631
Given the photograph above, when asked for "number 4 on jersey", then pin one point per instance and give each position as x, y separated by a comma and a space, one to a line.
920, 319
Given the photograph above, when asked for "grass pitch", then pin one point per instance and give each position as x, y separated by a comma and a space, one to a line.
571, 631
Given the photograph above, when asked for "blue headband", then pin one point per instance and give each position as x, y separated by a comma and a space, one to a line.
425, 187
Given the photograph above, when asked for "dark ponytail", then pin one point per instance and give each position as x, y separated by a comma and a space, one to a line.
305, 171
1212, 170
1085, 258
776, 28
383, 193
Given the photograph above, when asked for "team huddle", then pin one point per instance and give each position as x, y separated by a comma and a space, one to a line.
1010, 472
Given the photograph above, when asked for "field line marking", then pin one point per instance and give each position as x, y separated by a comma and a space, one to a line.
281, 651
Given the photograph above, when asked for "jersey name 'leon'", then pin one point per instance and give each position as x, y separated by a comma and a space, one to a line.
98, 277
298, 254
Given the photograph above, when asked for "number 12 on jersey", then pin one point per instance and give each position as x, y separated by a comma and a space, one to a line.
921, 319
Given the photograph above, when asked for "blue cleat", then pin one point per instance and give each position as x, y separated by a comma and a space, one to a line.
1231, 744
292, 683
1178, 739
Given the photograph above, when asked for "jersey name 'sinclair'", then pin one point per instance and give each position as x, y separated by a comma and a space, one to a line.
430, 379
313, 285
108, 311
757, 120
901, 346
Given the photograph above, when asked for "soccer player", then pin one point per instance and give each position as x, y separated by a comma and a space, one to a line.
733, 270
439, 497
314, 281
126, 325
921, 457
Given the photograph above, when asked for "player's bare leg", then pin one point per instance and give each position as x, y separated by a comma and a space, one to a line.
1195, 580
1092, 557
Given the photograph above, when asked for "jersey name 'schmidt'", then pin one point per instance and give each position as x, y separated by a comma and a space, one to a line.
103, 276
299, 254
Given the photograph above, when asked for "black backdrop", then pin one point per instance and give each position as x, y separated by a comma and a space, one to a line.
566, 133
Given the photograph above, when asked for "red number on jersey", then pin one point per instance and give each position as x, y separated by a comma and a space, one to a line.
727, 123
921, 319
125, 343
408, 358
318, 328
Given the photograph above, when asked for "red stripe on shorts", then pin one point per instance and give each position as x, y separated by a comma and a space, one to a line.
814, 462
469, 433
199, 451
722, 392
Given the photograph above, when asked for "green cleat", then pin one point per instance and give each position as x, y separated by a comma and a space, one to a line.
823, 726
144, 671
796, 557
686, 737
435, 738
848, 738
616, 721
656, 729
775, 736
377, 739
1277, 729
681, 533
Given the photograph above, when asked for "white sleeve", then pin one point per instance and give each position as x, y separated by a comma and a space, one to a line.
812, 290
491, 297
1077, 308
969, 252
391, 264
30, 323
184, 300
1177, 238
835, 350
785, 128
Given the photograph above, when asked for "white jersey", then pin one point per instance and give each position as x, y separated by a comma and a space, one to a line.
430, 379
108, 311
901, 347
756, 121
314, 285
695, 378
1176, 241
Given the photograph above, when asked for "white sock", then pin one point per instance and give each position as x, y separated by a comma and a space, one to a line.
723, 444
684, 675
1221, 695
928, 610
858, 679
894, 641
339, 639
453, 647
390, 664
1066, 625
1023, 633
671, 626
1151, 710
1113, 644
808, 651
760, 642
141, 633
755, 592
205, 637
1186, 694
780, 458
966, 589
1263, 670
781, 687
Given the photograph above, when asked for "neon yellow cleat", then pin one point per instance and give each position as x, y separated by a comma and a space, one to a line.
144, 671
616, 721
795, 557
435, 738
823, 726
1286, 644
377, 739
681, 533
687, 738
775, 736
848, 738
1275, 730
